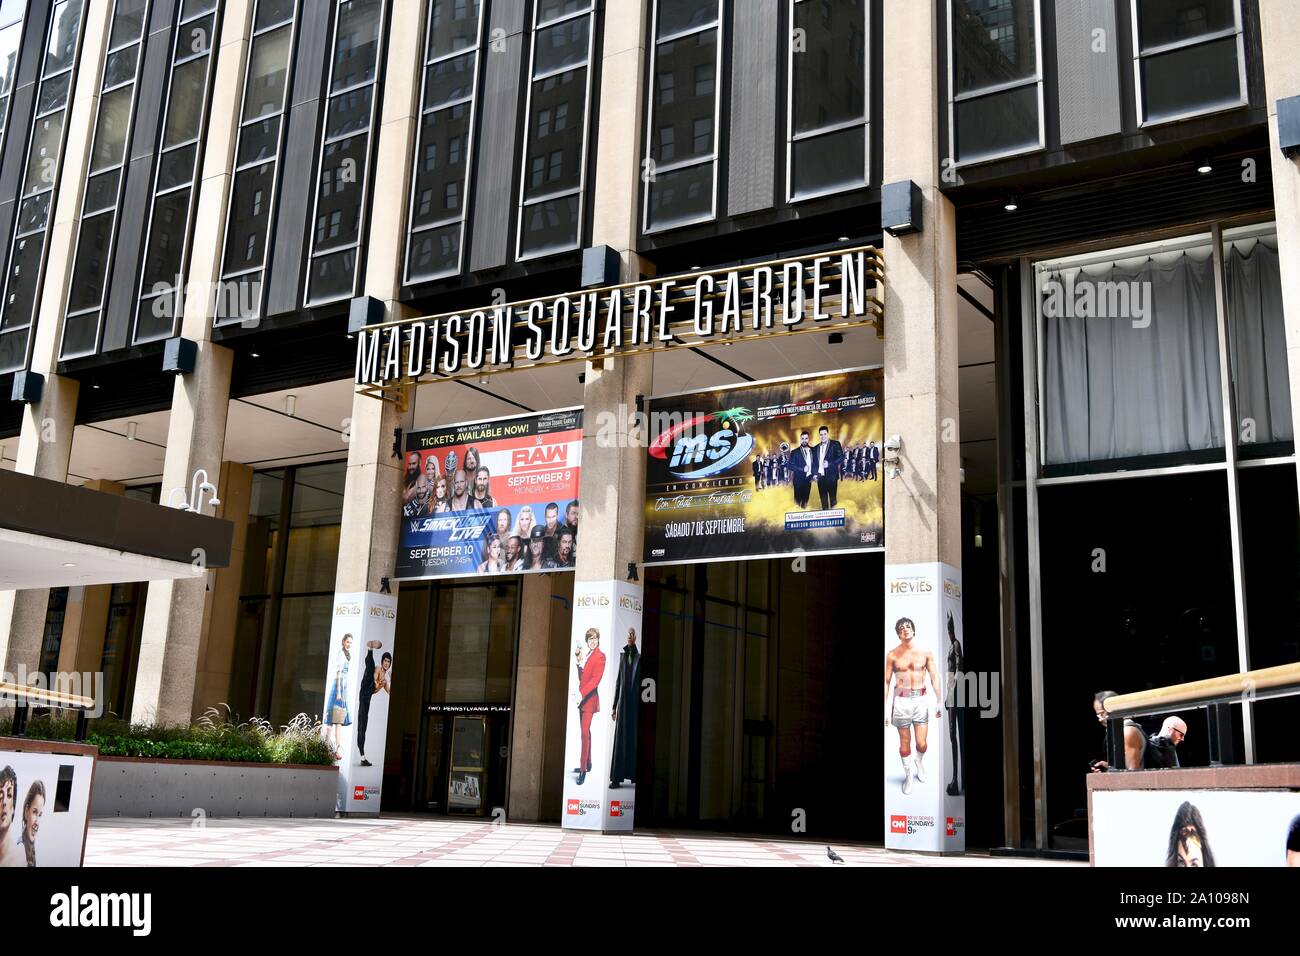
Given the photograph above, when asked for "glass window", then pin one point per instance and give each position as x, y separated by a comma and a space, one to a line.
98, 233
436, 219
268, 71
1130, 357
1189, 58
555, 148
828, 93
287, 587
342, 173
681, 149
1253, 291
252, 197
174, 196
995, 84
40, 180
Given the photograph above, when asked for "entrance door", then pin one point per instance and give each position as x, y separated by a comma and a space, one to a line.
465, 734
465, 760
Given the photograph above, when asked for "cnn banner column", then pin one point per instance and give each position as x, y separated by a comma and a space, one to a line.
603, 707
925, 803
358, 689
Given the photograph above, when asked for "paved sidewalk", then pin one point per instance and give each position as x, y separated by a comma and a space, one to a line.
393, 840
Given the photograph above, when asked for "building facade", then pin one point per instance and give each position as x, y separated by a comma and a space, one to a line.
1087, 346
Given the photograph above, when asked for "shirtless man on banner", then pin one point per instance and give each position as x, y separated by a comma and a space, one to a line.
908, 666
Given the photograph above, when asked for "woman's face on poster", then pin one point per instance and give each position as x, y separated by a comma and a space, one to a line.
32, 817
431, 468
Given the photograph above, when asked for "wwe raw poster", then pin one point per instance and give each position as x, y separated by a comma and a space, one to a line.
765, 470
498, 497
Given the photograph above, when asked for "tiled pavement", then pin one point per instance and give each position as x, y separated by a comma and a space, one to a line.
393, 840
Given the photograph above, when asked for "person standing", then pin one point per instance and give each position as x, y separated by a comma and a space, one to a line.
757, 465
624, 714
373, 680
590, 671
907, 666
830, 455
801, 471
956, 706
873, 461
336, 707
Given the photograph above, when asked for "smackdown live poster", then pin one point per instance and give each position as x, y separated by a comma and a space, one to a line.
769, 469
491, 497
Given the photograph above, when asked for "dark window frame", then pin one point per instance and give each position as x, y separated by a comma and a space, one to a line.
199, 142
121, 167
998, 88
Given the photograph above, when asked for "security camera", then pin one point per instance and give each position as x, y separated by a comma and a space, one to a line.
889, 457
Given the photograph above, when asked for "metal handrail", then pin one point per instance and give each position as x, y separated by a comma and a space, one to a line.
1213, 694
51, 698
1267, 681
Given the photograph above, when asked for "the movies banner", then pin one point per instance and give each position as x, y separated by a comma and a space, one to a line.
358, 690
767, 469
44, 801
498, 497
1195, 828
600, 747
925, 690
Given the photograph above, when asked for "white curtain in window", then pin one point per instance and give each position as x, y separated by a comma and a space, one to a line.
1144, 382
1254, 292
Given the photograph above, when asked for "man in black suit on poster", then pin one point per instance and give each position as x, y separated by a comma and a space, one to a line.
801, 471
828, 457
873, 460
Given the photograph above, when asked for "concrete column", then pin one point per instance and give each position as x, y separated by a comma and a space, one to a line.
45, 443
221, 607
1280, 34
372, 497
81, 646
923, 503
196, 433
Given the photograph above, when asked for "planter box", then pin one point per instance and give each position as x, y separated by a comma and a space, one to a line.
147, 787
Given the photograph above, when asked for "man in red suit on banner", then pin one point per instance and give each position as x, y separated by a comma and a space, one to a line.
589, 675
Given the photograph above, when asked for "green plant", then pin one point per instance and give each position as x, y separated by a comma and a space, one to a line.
216, 736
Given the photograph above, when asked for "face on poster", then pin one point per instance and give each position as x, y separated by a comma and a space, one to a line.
1196, 828
768, 469
44, 801
497, 497
358, 690
924, 778
601, 732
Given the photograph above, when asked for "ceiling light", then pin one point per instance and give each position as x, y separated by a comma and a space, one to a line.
482, 379
130, 430
1204, 168
290, 404
69, 564
254, 355
1011, 205
842, 239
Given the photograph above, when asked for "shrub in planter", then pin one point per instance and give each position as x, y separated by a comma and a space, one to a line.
215, 736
